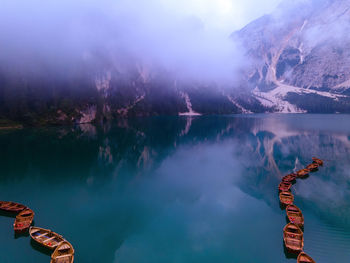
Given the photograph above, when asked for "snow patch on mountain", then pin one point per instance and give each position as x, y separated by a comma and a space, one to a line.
124, 111
283, 89
275, 99
238, 105
188, 105
343, 85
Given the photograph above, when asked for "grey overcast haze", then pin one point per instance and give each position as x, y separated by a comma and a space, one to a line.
186, 36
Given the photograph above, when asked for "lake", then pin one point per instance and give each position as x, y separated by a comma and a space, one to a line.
179, 189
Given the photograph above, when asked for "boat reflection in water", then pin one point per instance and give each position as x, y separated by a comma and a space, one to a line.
180, 189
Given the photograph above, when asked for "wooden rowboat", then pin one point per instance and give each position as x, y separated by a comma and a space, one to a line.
303, 172
289, 178
304, 258
284, 186
45, 237
293, 238
286, 198
11, 206
23, 220
64, 253
312, 167
295, 215
318, 161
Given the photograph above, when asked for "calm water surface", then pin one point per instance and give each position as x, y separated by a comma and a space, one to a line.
178, 189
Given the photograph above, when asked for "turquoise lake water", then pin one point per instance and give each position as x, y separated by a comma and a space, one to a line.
179, 189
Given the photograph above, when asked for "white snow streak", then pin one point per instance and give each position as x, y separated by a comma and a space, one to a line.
189, 106
238, 105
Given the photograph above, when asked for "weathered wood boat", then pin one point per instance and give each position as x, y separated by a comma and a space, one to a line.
286, 198
302, 173
284, 186
45, 237
289, 178
312, 167
64, 253
318, 161
293, 238
305, 258
23, 220
11, 206
295, 215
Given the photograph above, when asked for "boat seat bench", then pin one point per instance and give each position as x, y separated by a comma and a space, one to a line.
49, 239
63, 256
41, 235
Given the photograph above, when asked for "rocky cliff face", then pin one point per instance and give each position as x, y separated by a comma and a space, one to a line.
95, 95
298, 61
300, 57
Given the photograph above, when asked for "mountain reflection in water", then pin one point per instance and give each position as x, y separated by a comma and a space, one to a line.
180, 189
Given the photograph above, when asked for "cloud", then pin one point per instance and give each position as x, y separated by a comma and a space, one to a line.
188, 37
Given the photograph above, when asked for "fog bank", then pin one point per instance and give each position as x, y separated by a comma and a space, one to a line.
189, 38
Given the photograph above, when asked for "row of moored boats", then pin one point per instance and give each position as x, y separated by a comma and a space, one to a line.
63, 250
293, 235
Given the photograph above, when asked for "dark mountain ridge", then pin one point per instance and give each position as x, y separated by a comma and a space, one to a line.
299, 61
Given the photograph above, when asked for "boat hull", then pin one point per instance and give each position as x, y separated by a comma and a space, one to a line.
21, 228
286, 198
303, 173
304, 258
45, 237
11, 207
293, 238
312, 167
295, 216
290, 178
284, 187
64, 252
318, 161
23, 221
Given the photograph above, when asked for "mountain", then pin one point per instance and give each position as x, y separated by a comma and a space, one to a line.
300, 58
297, 60
96, 93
